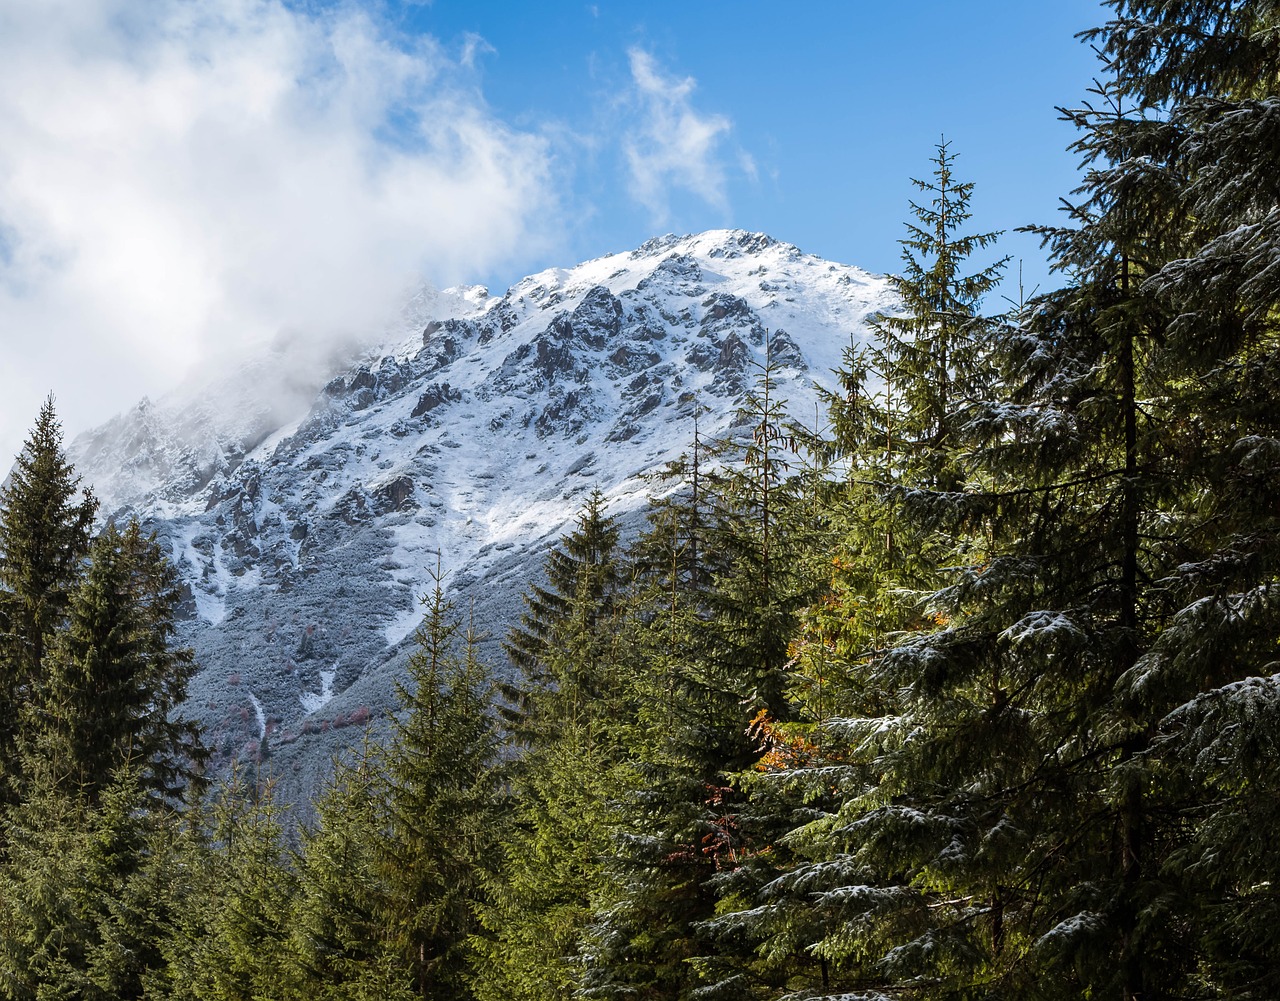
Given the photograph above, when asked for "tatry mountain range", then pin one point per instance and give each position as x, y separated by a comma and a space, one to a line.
470, 438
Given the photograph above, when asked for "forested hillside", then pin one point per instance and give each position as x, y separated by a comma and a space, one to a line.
972, 694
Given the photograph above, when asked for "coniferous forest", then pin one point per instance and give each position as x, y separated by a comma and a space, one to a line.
973, 694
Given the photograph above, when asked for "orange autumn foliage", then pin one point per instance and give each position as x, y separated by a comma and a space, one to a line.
783, 747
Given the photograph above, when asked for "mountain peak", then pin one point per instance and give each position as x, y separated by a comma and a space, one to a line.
711, 243
477, 435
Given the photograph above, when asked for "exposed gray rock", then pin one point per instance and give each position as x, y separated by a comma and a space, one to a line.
303, 534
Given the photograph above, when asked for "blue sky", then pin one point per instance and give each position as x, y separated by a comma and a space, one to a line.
835, 105
181, 182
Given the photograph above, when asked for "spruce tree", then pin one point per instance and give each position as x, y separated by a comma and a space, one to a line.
756, 529
899, 510
115, 683
44, 539
229, 937
1059, 797
441, 800
573, 714
713, 636
539, 903
651, 875
1185, 193
86, 893
929, 356
581, 598
341, 942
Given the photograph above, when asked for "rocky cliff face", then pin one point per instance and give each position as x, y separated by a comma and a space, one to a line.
304, 512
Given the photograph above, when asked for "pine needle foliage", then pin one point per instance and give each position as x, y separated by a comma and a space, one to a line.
901, 445
115, 681
580, 604
230, 939
85, 896
1043, 786
44, 538
572, 720
341, 940
440, 801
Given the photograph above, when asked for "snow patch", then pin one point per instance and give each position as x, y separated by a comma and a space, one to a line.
402, 624
210, 607
262, 716
313, 702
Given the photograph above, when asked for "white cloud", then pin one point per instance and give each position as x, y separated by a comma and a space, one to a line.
674, 145
474, 45
182, 179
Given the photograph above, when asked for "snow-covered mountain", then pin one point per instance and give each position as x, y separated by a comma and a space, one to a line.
305, 504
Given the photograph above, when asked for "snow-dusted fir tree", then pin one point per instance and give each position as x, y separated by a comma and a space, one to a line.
1200, 706
901, 509
1064, 775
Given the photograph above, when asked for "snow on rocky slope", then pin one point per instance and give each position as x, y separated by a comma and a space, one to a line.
304, 513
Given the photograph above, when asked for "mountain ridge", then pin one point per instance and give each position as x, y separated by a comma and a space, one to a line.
304, 537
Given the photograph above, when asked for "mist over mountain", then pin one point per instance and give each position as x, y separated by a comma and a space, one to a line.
305, 500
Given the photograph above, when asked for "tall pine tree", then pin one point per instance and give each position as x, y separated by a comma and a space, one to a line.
44, 538
899, 507
441, 802
343, 944
572, 712
114, 683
